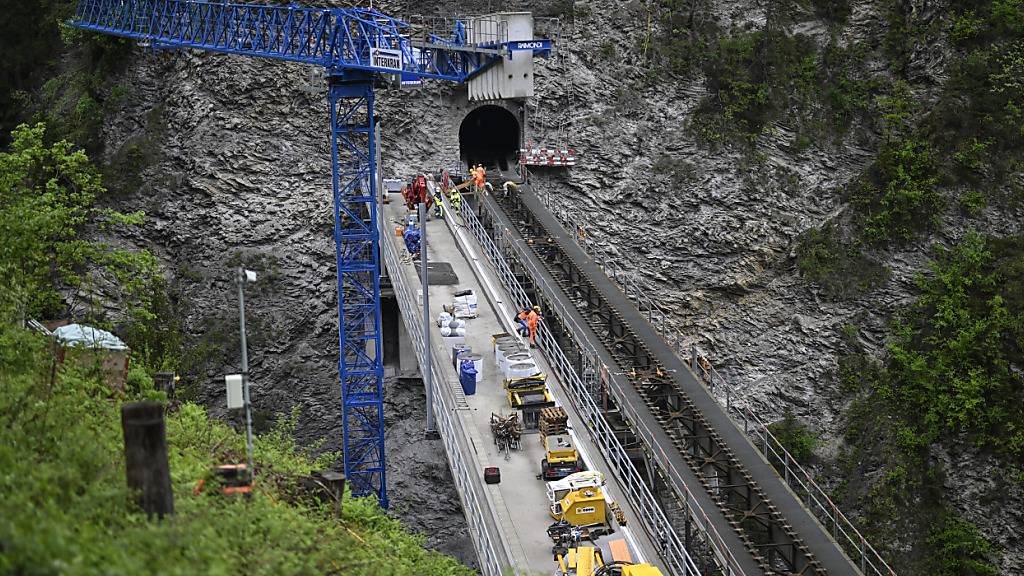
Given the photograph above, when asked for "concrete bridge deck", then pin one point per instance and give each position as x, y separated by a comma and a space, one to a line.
513, 513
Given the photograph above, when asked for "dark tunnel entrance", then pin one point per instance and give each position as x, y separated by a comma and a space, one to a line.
489, 135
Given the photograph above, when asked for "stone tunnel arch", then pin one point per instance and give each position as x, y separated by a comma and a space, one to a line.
489, 135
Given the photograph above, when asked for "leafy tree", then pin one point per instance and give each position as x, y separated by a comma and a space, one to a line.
953, 354
959, 550
47, 200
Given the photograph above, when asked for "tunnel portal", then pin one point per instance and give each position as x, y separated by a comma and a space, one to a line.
489, 135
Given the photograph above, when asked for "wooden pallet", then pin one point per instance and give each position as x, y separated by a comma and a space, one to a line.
552, 421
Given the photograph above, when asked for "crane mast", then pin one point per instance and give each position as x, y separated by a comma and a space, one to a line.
353, 45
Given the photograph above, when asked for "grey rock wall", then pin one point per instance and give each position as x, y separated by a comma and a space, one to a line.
244, 169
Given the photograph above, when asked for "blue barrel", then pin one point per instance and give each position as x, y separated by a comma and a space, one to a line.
467, 377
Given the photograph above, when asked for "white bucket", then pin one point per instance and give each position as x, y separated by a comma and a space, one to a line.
506, 350
522, 369
511, 359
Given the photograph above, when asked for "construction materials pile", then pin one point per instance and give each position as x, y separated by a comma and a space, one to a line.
553, 422
465, 304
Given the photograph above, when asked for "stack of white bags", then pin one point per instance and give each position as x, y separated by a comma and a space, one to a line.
465, 304
450, 326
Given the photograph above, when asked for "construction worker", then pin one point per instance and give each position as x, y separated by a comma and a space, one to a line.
533, 318
524, 327
412, 239
438, 205
456, 200
479, 177
410, 201
507, 187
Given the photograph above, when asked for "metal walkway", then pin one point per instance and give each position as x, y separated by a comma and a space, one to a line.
709, 463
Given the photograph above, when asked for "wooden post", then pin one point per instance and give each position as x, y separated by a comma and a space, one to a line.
145, 454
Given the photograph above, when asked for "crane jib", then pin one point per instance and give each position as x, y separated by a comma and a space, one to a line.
335, 38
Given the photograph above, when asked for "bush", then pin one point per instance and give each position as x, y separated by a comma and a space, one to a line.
972, 202
832, 11
952, 353
959, 550
795, 437
737, 81
64, 507
842, 270
899, 198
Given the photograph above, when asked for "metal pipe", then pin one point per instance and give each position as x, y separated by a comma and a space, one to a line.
245, 371
428, 381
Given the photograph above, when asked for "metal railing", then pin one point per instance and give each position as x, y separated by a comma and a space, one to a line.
623, 278
653, 518
456, 444
800, 481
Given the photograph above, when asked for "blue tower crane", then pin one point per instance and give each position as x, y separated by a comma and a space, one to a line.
354, 45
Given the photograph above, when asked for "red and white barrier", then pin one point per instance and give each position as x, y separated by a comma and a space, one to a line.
547, 157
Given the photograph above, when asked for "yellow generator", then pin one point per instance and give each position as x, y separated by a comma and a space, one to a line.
560, 458
584, 508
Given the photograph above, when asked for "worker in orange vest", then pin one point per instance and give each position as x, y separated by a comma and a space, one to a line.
479, 177
533, 318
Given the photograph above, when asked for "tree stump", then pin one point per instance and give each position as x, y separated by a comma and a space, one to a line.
145, 454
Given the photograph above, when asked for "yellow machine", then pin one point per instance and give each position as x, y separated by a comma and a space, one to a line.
588, 561
529, 395
530, 391
585, 507
640, 570
580, 561
560, 458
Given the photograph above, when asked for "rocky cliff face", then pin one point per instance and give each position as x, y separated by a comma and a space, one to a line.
242, 176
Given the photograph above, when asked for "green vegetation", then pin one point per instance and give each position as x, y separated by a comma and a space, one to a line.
795, 437
952, 353
64, 507
959, 549
842, 270
47, 196
899, 197
758, 76
895, 485
57, 75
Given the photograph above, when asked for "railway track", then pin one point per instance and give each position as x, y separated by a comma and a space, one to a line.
759, 523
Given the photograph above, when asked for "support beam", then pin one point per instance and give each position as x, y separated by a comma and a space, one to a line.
357, 242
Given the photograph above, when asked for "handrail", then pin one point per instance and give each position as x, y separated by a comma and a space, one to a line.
813, 496
823, 508
466, 481
652, 516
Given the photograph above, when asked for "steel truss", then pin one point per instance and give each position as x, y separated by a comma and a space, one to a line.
766, 534
357, 240
352, 44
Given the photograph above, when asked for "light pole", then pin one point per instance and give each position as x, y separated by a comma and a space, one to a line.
245, 276
428, 381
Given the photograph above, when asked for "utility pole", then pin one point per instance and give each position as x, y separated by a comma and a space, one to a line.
243, 276
428, 381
